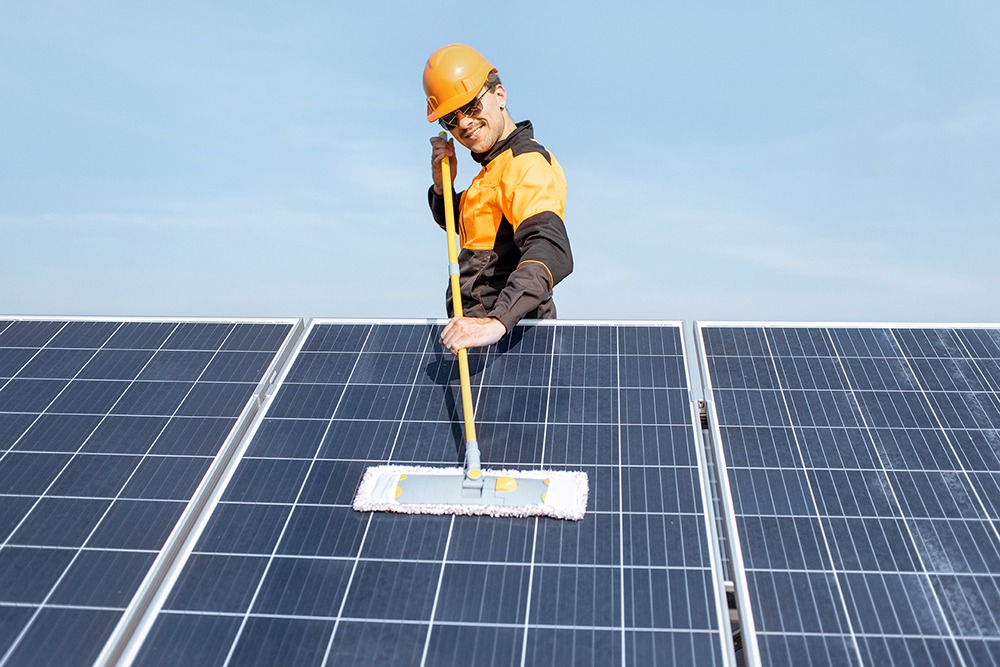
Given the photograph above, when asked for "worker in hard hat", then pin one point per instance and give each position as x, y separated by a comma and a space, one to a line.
514, 247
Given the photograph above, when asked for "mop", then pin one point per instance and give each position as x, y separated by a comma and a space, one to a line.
470, 490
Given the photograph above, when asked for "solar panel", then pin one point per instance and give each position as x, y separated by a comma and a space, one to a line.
285, 572
861, 469
106, 430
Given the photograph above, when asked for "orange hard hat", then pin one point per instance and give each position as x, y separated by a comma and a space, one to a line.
452, 77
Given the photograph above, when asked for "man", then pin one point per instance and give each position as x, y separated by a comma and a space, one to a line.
514, 247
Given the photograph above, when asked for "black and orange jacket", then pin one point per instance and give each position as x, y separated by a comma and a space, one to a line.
510, 225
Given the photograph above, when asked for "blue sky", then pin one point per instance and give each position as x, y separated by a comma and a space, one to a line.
759, 161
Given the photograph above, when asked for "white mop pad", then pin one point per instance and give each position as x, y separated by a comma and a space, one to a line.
566, 497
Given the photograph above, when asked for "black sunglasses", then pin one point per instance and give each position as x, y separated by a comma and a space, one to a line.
450, 120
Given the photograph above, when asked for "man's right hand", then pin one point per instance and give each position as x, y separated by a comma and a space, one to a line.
440, 147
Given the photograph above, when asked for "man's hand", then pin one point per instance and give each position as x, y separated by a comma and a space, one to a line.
471, 332
439, 148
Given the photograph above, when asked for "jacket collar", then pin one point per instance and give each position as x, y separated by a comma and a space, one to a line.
522, 132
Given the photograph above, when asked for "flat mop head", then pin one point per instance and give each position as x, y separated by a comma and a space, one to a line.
502, 493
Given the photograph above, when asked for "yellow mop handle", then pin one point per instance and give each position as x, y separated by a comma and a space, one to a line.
456, 298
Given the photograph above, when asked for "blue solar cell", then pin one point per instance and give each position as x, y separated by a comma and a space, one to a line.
115, 365
657, 598
595, 542
669, 540
190, 436
670, 490
917, 343
282, 641
29, 473
57, 433
303, 587
209, 637
451, 645
28, 334
386, 643
136, 524
64, 636
93, 397
325, 531
483, 594
981, 343
783, 542
639, 340
256, 337
372, 402
388, 368
123, 434
401, 590
29, 395
217, 583
177, 365
12, 360
29, 573
102, 578
91, 335
12, 511
564, 443
57, 522
140, 335
345, 338
332, 483
245, 528
306, 401
94, 475
871, 544
237, 367
166, 478
152, 398
652, 372
323, 367
392, 536
287, 438
216, 399
580, 370
61, 364
373, 440
198, 336
488, 539
671, 648
577, 596
567, 647
799, 342
267, 481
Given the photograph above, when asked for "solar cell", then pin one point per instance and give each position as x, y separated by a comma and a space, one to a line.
106, 429
860, 485
285, 572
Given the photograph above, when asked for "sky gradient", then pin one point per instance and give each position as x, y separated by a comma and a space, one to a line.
726, 161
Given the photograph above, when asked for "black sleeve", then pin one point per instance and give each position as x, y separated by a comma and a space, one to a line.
436, 202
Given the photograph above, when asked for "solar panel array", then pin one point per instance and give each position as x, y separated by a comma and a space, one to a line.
285, 572
106, 430
166, 497
863, 468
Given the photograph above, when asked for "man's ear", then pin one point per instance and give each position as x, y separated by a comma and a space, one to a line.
501, 94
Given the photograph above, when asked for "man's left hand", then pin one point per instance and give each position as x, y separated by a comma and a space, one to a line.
471, 332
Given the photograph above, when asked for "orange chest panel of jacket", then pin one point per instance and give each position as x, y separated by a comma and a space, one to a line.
509, 189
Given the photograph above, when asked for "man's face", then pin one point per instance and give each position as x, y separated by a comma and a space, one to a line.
479, 132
